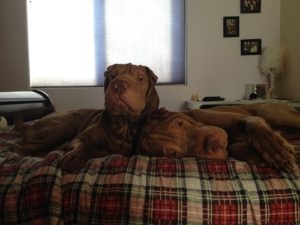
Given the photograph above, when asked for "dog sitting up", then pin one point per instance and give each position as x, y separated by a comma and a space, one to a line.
130, 96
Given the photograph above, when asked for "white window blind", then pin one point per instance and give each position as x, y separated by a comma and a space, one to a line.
71, 42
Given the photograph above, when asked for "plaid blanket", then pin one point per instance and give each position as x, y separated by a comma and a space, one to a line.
143, 190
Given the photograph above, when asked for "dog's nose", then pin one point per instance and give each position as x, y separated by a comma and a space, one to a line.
119, 86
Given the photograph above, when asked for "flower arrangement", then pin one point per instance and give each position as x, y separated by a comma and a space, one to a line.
272, 64
273, 60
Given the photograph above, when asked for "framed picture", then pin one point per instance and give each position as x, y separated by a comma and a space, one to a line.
231, 26
250, 6
251, 47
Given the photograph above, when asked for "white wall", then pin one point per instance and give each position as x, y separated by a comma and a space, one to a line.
13, 50
290, 36
214, 63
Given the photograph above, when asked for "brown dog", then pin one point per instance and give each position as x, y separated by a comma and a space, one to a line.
130, 95
176, 134
247, 125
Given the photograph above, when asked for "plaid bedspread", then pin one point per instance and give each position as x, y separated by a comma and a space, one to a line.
143, 190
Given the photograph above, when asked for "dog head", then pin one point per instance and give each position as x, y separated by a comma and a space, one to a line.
175, 134
130, 90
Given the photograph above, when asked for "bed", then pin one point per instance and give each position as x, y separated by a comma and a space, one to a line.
142, 190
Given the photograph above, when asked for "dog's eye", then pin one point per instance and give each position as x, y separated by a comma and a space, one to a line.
179, 123
141, 77
113, 75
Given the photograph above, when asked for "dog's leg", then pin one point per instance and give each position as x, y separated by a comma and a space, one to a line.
242, 150
277, 114
46, 133
89, 144
270, 145
223, 119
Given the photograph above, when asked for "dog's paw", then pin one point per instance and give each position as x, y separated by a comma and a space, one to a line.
273, 148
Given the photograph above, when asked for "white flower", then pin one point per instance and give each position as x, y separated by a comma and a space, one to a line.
272, 61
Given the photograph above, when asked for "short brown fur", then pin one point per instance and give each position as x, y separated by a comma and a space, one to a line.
130, 95
252, 133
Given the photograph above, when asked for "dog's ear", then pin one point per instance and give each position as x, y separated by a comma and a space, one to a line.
107, 73
106, 79
152, 101
152, 76
152, 98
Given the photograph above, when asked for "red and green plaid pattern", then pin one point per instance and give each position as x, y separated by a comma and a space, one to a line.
143, 190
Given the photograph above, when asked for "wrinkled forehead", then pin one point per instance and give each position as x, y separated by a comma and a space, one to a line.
123, 69
160, 125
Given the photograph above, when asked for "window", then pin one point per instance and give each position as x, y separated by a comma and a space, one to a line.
71, 42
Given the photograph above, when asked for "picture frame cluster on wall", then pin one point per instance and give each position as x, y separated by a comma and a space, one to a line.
231, 27
250, 6
251, 47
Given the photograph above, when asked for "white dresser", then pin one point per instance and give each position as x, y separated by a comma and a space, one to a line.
208, 104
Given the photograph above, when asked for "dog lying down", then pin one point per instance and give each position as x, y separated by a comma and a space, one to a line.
130, 95
245, 132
